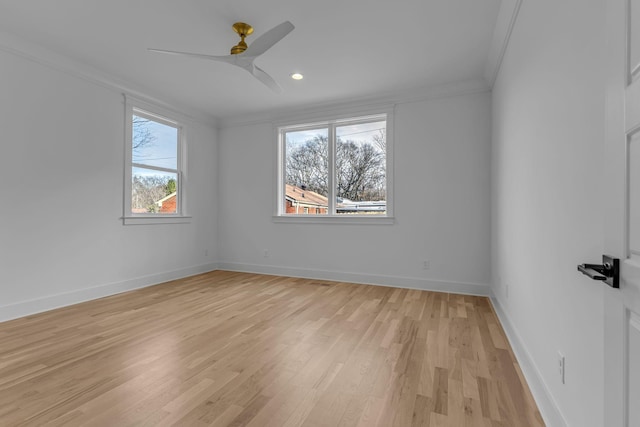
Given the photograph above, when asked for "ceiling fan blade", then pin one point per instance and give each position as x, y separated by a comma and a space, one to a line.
226, 58
268, 39
266, 79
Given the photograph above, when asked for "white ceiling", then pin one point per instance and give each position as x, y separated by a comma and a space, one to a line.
347, 49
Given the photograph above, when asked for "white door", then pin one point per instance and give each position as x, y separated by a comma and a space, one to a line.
621, 194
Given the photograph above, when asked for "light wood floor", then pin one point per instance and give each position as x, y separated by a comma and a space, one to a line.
235, 349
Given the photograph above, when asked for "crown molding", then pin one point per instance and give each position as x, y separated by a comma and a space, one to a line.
15, 45
370, 103
507, 16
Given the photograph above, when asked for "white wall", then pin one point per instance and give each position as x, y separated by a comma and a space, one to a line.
548, 131
442, 206
61, 168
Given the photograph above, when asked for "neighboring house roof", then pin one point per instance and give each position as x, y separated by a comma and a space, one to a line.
305, 197
308, 198
346, 205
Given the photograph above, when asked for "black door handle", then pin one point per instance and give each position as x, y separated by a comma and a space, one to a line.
588, 269
608, 271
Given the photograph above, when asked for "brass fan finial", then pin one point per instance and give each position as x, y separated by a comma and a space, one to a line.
243, 31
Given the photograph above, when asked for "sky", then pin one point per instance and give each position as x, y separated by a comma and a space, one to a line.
360, 133
161, 152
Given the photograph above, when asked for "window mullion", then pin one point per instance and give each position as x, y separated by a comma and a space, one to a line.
282, 185
331, 192
180, 162
179, 195
155, 168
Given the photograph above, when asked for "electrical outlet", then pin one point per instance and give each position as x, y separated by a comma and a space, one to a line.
561, 366
426, 264
206, 252
265, 253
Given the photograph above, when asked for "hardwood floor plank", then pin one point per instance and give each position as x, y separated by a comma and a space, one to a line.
237, 349
441, 391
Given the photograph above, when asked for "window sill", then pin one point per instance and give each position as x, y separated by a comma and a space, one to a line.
152, 220
334, 219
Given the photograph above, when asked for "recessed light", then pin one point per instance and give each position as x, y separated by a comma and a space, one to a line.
297, 76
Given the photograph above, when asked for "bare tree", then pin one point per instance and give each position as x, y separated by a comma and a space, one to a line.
360, 167
360, 170
380, 140
307, 165
146, 190
142, 135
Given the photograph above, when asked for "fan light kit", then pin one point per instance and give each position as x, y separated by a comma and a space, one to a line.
297, 76
242, 55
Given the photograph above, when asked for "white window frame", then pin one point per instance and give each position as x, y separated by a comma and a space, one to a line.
331, 123
160, 115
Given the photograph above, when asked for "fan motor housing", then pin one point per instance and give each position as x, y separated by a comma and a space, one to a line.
243, 30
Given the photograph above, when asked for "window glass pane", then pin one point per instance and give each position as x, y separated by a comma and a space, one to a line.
307, 172
154, 144
361, 161
153, 191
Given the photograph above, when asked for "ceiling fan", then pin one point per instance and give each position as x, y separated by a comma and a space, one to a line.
242, 55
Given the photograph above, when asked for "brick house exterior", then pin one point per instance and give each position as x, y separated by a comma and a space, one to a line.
168, 204
304, 202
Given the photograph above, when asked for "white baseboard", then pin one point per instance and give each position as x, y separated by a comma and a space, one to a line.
50, 302
369, 279
546, 404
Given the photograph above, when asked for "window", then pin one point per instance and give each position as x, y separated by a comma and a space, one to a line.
337, 168
154, 173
